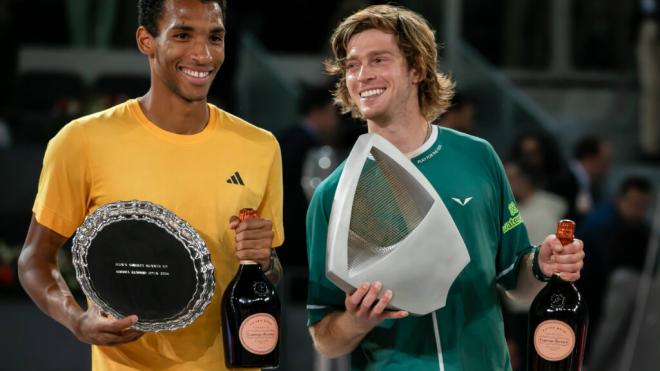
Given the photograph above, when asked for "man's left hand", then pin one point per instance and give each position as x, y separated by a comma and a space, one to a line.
254, 239
566, 260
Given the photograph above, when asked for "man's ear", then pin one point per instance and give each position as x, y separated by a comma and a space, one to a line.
416, 76
145, 42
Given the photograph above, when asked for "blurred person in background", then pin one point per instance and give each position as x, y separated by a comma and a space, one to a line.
459, 115
539, 209
540, 154
648, 71
580, 184
609, 227
317, 127
173, 148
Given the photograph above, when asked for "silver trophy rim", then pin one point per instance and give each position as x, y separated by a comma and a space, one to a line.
162, 217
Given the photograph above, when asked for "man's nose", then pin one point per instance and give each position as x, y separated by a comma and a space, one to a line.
202, 53
365, 73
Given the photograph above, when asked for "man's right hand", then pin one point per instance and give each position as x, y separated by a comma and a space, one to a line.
340, 332
40, 276
366, 310
96, 327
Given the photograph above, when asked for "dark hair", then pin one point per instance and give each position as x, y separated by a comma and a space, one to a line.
586, 147
315, 97
533, 175
634, 182
553, 161
150, 11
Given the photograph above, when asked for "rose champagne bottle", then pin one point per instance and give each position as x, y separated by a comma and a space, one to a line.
250, 316
558, 320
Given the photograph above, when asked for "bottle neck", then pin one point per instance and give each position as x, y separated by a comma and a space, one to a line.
556, 279
249, 265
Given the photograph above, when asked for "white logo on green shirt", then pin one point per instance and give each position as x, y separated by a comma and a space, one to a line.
430, 155
463, 202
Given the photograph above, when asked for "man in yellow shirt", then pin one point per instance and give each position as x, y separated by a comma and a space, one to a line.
172, 148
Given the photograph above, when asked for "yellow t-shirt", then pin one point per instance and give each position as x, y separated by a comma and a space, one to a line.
118, 154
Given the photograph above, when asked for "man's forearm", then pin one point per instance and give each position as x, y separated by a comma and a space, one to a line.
528, 286
336, 334
40, 276
49, 291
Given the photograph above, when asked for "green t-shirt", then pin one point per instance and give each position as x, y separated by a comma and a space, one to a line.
468, 333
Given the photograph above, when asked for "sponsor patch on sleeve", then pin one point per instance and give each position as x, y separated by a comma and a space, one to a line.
514, 220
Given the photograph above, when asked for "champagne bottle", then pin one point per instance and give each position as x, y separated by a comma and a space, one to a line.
250, 316
558, 320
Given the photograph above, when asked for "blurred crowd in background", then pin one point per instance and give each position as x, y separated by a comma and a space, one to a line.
600, 84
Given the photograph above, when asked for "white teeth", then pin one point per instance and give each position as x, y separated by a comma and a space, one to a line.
197, 74
371, 93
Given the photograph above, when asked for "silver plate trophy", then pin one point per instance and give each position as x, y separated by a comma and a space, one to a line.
388, 224
137, 257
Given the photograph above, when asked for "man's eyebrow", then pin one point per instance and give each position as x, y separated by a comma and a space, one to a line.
371, 54
183, 27
377, 53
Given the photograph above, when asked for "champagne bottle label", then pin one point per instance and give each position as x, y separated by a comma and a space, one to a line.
258, 333
554, 340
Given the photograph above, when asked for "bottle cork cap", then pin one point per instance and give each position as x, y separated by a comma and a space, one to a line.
245, 214
566, 231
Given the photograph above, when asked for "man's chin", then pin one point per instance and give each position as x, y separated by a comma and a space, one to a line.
370, 114
195, 98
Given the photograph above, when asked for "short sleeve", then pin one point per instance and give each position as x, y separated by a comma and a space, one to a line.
64, 184
323, 296
513, 242
271, 204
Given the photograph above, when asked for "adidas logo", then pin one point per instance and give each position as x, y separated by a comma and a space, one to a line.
235, 179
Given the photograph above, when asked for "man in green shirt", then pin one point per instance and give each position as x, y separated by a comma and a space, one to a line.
386, 59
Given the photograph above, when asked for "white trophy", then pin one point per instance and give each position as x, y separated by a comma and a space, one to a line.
388, 224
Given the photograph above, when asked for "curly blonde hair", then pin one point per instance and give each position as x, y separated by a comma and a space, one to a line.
415, 39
